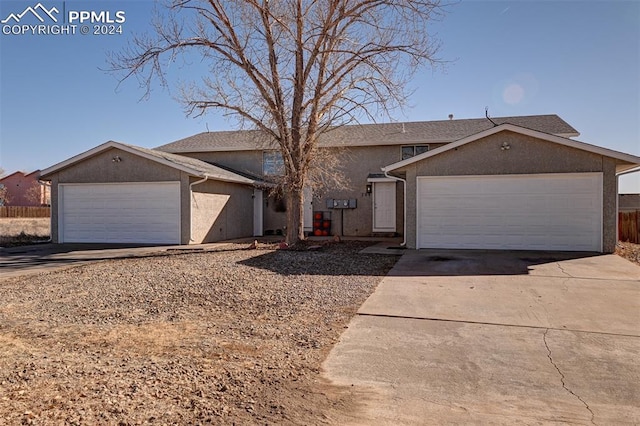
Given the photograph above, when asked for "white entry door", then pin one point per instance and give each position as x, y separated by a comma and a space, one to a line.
257, 213
384, 207
522, 212
307, 209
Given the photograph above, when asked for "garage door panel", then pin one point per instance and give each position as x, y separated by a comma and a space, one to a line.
541, 212
125, 212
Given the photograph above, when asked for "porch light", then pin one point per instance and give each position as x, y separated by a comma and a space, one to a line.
368, 188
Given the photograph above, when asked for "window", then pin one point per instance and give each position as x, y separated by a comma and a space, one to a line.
409, 151
272, 163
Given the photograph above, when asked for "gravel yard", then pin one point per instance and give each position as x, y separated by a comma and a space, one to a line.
629, 251
224, 337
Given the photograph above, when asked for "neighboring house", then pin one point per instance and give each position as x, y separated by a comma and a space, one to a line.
628, 202
508, 183
25, 189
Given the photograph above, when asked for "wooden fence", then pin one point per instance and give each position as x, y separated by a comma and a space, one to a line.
22, 211
629, 226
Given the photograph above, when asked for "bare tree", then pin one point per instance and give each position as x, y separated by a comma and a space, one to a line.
35, 194
293, 69
5, 198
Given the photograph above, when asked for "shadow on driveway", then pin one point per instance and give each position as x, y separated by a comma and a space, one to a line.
483, 337
442, 263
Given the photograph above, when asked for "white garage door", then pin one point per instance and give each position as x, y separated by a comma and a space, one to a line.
530, 212
120, 213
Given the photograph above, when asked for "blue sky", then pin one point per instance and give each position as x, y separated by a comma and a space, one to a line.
577, 59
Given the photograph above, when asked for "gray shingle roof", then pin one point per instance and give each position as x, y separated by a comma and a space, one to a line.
201, 167
374, 134
189, 165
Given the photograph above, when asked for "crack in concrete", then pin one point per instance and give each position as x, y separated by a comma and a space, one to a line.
564, 386
563, 271
566, 280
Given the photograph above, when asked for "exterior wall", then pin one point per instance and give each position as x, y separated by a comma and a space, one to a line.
131, 168
526, 155
356, 165
19, 192
609, 205
221, 211
275, 218
359, 163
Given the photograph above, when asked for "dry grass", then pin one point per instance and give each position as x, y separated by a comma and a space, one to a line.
23, 231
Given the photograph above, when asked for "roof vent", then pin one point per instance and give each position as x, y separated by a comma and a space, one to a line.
450, 116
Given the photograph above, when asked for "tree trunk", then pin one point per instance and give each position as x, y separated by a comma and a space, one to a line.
295, 228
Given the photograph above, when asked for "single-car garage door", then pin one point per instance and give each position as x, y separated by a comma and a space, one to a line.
528, 212
120, 213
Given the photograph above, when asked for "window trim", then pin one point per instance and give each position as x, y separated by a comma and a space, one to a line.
273, 166
413, 148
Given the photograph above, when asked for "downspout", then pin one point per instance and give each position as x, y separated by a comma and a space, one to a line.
191, 185
404, 206
45, 184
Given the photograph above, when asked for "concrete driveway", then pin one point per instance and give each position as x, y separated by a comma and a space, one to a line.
472, 337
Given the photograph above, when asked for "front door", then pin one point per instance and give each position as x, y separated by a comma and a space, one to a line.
307, 209
384, 207
257, 213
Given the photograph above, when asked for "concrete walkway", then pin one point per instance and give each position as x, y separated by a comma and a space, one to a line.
472, 337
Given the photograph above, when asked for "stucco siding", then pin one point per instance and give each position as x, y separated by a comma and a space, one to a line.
221, 211
54, 209
411, 205
185, 209
131, 168
609, 204
526, 155
357, 164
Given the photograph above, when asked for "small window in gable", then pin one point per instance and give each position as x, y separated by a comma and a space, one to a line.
272, 163
409, 151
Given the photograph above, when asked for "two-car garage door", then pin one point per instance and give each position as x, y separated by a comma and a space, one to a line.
529, 212
120, 213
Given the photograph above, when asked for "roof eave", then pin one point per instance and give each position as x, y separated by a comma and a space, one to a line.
628, 158
108, 145
111, 144
627, 169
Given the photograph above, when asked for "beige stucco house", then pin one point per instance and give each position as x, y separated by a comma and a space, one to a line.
505, 183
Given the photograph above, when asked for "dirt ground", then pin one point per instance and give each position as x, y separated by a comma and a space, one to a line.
227, 337
14, 231
629, 251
